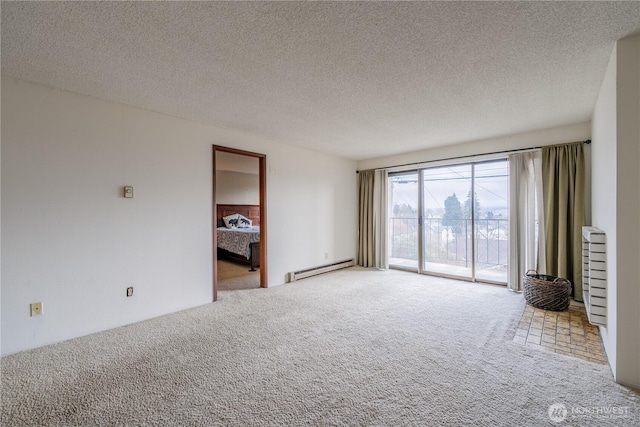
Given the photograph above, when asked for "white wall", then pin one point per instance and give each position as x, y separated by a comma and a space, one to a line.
237, 188
628, 211
70, 240
616, 204
604, 194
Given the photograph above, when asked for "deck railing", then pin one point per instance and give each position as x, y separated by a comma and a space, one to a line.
451, 244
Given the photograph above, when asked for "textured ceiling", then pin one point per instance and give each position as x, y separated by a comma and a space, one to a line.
355, 79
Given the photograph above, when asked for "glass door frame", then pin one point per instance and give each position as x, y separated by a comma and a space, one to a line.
421, 238
391, 225
475, 236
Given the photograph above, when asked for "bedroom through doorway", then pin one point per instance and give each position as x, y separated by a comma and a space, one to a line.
239, 220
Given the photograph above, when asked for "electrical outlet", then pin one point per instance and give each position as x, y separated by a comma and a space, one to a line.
130, 291
326, 255
128, 192
36, 309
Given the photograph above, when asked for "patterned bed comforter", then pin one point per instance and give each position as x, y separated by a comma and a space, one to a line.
238, 240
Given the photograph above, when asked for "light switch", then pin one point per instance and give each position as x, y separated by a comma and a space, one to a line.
128, 192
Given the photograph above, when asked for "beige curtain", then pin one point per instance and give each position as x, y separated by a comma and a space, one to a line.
524, 174
372, 218
563, 180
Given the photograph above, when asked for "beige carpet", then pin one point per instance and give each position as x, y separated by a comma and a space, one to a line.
355, 347
232, 276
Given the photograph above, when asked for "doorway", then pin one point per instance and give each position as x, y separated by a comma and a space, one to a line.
220, 152
451, 221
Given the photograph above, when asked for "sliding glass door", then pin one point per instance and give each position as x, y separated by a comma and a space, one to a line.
403, 220
491, 184
446, 221
452, 220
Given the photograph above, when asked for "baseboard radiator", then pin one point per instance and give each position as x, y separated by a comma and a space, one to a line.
303, 274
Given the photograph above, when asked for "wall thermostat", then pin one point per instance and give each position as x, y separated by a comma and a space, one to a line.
128, 192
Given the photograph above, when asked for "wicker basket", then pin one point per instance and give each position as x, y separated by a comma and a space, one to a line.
546, 292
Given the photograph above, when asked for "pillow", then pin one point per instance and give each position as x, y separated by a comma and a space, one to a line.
231, 221
244, 222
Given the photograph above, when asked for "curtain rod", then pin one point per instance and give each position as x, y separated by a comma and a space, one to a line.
588, 141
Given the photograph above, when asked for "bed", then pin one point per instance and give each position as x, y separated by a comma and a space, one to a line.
240, 245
